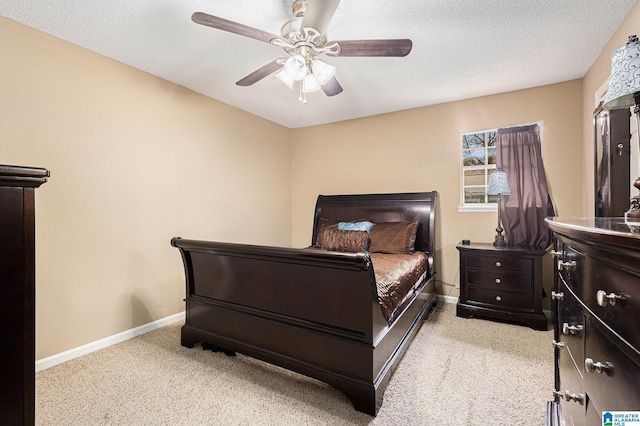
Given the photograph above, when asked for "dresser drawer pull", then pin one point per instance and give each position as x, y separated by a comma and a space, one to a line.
605, 299
558, 345
498, 264
598, 367
579, 398
571, 329
557, 296
498, 280
498, 298
566, 266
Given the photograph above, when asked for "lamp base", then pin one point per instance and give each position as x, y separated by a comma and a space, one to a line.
634, 208
634, 204
499, 240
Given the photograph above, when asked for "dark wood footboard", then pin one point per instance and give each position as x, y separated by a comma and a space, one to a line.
311, 311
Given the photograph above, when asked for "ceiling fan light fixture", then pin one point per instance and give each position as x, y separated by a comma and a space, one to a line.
310, 84
296, 67
303, 38
284, 77
324, 72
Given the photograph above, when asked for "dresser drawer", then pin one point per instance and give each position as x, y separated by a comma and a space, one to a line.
571, 269
571, 323
571, 390
624, 314
500, 280
617, 386
502, 299
496, 262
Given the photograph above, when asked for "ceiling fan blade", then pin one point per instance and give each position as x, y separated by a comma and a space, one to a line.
318, 14
232, 27
332, 88
259, 74
399, 47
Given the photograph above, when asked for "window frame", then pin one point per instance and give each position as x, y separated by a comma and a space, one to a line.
488, 207
475, 207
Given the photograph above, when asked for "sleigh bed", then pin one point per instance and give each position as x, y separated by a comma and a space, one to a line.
323, 313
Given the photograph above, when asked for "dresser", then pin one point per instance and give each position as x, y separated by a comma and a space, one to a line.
17, 292
596, 305
501, 284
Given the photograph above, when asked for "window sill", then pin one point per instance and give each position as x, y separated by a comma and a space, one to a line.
478, 208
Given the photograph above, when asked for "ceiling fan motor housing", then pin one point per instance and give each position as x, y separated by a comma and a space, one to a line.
295, 33
299, 7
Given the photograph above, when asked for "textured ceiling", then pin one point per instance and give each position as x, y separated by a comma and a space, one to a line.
461, 48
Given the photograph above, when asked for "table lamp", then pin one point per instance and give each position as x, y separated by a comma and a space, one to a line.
624, 92
499, 186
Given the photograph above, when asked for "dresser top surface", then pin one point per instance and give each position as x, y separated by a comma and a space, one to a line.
616, 226
605, 230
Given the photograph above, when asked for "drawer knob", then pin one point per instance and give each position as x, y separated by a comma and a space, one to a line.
571, 329
579, 398
566, 266
558, 345
598, 367
498, 280
498, 264
498, 298
605, 299
557, 296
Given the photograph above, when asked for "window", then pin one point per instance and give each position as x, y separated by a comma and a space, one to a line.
478, 162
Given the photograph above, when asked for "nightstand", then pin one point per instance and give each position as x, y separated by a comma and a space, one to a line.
501, 284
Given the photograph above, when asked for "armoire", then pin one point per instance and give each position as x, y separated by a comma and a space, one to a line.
17, 292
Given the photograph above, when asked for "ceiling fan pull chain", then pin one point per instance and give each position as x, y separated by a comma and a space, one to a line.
303, 94
300, 87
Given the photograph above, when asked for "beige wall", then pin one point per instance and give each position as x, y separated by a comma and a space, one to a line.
419, 150
134, 161
595, 77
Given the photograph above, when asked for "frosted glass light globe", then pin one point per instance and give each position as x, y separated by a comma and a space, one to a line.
323, 71
296, 67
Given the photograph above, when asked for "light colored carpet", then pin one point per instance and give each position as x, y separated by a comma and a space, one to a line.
456, 372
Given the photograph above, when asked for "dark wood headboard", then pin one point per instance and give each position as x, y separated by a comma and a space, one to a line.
383, 208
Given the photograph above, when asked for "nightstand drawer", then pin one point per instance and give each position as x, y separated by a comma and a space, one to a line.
499, 262
499, 280
503, 299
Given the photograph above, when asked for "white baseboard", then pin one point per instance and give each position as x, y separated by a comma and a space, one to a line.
44, 363
447, 299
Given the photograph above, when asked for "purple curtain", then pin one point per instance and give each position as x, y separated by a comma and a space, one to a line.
519, 154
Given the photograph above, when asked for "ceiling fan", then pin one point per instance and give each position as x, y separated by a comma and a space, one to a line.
304, 38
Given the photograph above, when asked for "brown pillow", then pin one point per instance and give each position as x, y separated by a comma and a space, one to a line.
325, 224
346, 241
393, 237
331, 224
